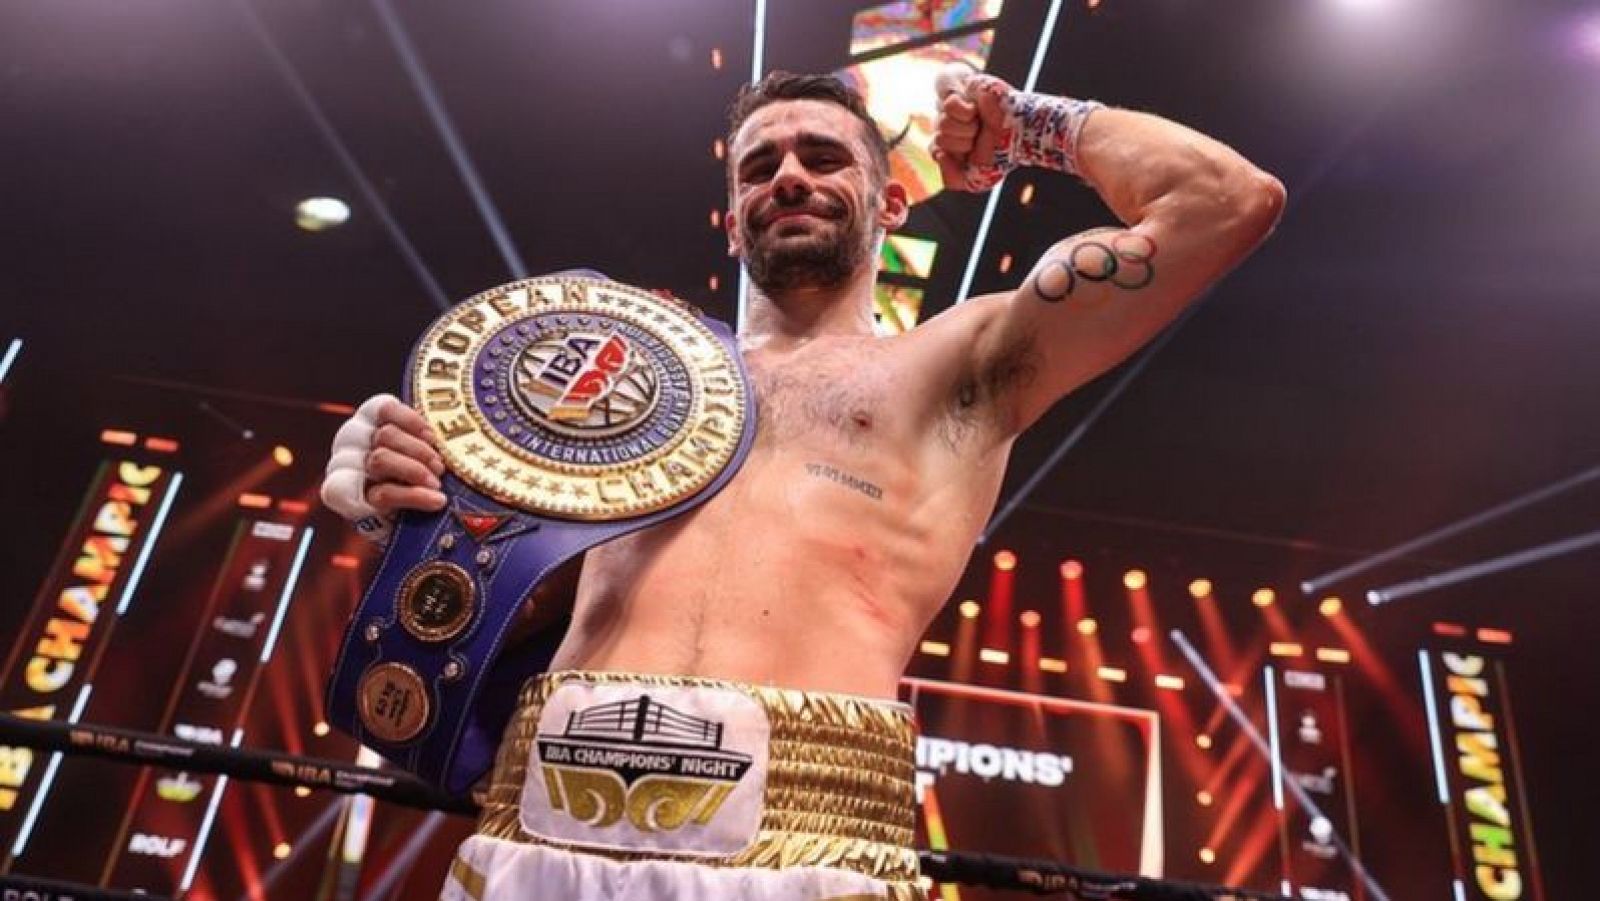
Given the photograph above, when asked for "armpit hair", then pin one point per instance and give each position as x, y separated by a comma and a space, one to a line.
982, 397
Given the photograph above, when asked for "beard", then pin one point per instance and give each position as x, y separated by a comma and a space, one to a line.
826, 256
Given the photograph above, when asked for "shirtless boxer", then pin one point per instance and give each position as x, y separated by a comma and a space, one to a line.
788, 605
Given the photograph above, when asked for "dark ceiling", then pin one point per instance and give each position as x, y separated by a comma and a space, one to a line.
1415, 344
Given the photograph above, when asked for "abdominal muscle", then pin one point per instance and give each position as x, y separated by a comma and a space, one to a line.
785, 578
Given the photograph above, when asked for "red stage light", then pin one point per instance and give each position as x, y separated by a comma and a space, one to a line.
1263, 597
1087, 626
319, 728
716, 58
1005, 263
346, 561
1204, 798
283, 456
970, 609
719, 149
1134, 579
1071, 569
1452, 630
1052, 664
1494, 636
160, 445
255, 501
994, 655
1200, 589
1141, 635
1005, 561
281, 850
714, 282
1112, 674
1030, 619
1203, 741
1208, 856
1333, 655
121, 438
1287, 649
294, 506
336, 409
1330, 606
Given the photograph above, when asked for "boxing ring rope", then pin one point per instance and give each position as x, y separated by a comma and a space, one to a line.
1039, 877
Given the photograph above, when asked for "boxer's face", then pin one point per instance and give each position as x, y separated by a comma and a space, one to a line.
806, 204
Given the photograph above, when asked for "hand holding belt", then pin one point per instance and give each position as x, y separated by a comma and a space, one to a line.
570, 410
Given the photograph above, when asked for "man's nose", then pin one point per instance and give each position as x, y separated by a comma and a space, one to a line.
791, 183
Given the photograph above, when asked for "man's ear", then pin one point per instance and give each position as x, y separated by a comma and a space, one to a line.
730, 225
896, 207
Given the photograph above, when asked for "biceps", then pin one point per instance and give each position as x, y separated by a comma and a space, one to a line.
1095, 298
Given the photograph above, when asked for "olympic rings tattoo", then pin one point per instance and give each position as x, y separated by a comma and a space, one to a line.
1124, 262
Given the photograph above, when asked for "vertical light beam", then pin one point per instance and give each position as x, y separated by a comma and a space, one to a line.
14, 348
440, 117
1046, 32
757, 63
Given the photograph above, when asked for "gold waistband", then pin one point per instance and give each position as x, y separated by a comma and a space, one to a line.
840, 790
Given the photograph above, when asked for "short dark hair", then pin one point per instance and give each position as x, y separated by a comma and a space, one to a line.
777, 87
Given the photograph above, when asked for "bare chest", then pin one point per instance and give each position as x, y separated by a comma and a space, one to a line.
854, 397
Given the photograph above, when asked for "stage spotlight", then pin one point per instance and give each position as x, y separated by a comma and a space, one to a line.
1587, 37
1204, 798
1333, 655
1005, 263
1203, 741
1286, 649
936, 649
1330, 606
1200, 589
1005, 561
301, 791
1112, 673
1071, 569
1052, 664
716, 218
970, 609
1030, 619
716, 58
1264, 597
1025, 196
994, 655
1208, 856
319, 728
1494, 636
1141, 635
282, 456
316, 214
1087, 626
281, 850
1134, 579
714, 282
719, 149
1169, 683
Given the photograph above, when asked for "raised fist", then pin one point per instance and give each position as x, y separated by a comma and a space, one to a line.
383, 461
972, 135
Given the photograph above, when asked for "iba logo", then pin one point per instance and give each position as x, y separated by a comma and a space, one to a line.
640, 759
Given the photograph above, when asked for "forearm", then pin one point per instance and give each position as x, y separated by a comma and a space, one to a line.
1144, 166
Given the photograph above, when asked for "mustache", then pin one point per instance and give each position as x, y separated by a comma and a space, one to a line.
821, 207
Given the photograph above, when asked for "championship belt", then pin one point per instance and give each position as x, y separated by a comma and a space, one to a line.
570, 410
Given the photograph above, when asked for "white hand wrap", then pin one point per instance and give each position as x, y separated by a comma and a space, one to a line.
344, 487
1039, 129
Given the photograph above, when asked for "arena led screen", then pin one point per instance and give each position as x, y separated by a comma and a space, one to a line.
1085, 778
